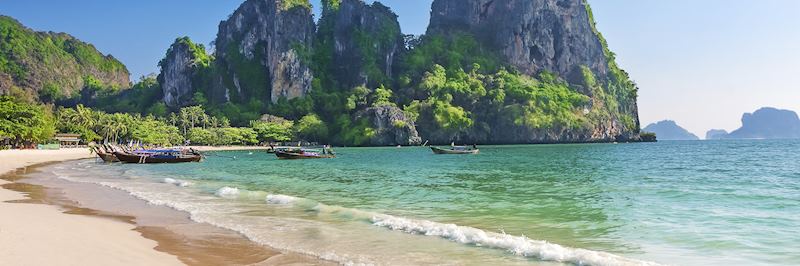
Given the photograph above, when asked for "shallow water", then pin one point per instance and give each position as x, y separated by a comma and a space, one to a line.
679, 203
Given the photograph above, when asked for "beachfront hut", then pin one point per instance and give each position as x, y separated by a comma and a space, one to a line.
68, 140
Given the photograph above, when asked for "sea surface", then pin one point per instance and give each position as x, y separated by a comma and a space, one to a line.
673, 202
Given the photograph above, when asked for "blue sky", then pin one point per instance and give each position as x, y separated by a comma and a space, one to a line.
702, 63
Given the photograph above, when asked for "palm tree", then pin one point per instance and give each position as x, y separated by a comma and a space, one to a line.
173, 119
85, 117
214, 122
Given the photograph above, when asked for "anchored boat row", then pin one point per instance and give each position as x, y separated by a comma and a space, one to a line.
111, 153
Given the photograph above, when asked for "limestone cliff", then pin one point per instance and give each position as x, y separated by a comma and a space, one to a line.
391, 125
547, 36
182, 71
259, 52
365, 41
552, 35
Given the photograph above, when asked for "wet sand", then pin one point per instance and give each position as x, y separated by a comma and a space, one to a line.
89, 224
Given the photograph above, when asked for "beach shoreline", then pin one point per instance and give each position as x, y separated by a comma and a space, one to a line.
80, 229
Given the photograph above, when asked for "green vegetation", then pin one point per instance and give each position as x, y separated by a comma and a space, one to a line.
620, 85
312, 128
649, 137
273, 131
331, 5
53, 64
143, 98
460, 50
23, 122
451, 86
289, 4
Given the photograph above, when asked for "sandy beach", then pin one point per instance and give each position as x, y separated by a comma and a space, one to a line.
98, 233
36, 234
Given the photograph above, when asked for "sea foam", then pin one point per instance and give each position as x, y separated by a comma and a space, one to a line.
518, 245
280, 199
177, 182
227, 192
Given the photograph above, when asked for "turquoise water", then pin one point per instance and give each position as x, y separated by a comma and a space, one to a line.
678, 203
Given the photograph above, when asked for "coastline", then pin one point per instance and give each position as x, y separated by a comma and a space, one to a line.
78, 227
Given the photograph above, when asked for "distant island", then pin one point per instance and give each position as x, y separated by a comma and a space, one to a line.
669, 130
716, 134
767, 123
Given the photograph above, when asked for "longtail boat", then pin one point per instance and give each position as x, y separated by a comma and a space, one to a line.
104, 152
297, 154
455, 150
107, 157
159, 156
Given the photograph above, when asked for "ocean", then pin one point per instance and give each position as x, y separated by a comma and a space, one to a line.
672, 202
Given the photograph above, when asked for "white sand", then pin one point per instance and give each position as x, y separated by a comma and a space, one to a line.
34, 234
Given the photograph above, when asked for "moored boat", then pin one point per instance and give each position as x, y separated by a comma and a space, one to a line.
159, 156
107, 157
296, 154
104, 152
455, 150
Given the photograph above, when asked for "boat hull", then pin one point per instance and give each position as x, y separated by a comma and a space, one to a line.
142, 159
445, 151
108, 157
297, 156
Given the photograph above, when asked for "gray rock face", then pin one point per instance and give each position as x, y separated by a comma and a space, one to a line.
176, 75
261, 41
392, 126
556, 36
366, 41
533, 35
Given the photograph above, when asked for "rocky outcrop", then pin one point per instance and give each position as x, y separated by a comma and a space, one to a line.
716, 134
392, 126
365, 39
556, 36
183, 62
551, 35
669, 130
261, 52
53, 65
768, 123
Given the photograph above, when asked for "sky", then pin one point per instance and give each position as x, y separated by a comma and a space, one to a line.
702, 63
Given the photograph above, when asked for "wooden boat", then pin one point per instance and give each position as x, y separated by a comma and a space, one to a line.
104, 152
152, 157
107, 157
297, 154
455, 150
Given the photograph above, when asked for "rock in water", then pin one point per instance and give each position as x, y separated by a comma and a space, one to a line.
768, 123
669, 130
392, 126
262, 50
716, 134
